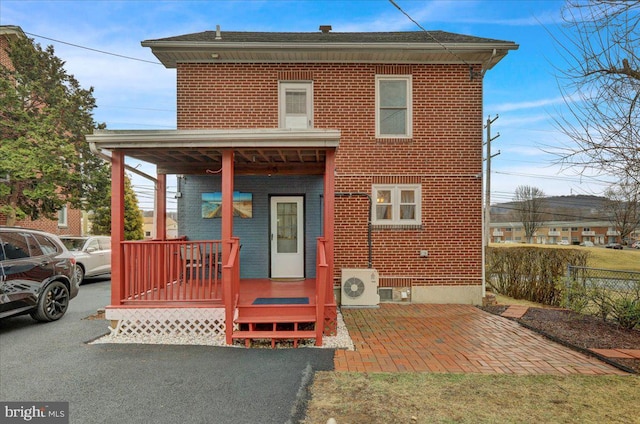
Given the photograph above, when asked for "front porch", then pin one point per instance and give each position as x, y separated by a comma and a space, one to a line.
179, 286
198, 281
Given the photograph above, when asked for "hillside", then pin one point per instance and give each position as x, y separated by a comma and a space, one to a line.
560, 208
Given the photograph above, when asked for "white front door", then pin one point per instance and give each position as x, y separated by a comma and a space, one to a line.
287, 237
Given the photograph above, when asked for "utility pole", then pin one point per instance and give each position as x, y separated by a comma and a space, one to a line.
487, 201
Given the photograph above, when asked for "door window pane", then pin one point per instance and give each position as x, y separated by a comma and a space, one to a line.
287, 232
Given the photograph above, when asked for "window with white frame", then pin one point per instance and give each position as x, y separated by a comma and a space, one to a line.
397, 204
393, 106
62, 217
296, 104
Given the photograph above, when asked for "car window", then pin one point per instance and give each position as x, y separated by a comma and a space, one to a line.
105, 243
48, 246
73, 244
93, 244
15, 245
34, 247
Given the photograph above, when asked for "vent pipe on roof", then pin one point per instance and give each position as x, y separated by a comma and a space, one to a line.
325, 28
218, 34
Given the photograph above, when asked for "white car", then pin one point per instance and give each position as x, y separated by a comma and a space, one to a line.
563, 243
92, 253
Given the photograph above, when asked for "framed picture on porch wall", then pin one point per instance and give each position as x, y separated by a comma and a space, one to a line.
212, 205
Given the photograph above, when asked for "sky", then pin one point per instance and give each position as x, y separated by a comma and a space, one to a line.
100, 43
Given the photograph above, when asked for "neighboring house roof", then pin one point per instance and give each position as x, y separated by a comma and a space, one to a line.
338, 47
11, 30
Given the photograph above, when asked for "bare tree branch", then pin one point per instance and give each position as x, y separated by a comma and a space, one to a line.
601, 86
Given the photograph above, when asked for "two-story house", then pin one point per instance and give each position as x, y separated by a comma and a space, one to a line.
300, 156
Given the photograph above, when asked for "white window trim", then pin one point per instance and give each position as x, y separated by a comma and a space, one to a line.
409, 80
282, 87
395, 204
63, 217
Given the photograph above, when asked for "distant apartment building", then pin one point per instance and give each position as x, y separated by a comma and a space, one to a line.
554, 232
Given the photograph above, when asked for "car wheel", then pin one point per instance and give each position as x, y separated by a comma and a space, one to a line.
53, 303
79, 274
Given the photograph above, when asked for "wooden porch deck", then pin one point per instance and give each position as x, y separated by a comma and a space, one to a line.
186, 293
252, 289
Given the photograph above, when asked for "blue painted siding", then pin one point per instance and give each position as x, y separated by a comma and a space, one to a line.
253, 232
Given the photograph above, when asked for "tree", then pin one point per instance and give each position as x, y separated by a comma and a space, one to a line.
601, 87
133, 221
623, 207
530, 209
44, 116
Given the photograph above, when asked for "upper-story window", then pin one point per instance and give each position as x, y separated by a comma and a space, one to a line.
393, 106
296, 104
62, 217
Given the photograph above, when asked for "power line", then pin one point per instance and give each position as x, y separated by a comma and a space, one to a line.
432, 37
93, 50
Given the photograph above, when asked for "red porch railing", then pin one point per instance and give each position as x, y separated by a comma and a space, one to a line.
172, 272
322, 277
231, 283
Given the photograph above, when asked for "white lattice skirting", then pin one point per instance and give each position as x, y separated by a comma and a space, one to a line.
170, 322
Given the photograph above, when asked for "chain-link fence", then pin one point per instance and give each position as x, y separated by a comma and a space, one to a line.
610, 294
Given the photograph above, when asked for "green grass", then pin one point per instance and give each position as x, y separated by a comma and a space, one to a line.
599, 257
472, 398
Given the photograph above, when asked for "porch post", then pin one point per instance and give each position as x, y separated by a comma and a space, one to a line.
161, 207
227, 233
227, 202
329, 207
117, 227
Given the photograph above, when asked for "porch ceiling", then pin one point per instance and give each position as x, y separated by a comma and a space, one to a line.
269, 151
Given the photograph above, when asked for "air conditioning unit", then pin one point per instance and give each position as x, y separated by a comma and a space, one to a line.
360, 287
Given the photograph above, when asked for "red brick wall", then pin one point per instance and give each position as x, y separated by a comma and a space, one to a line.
73, 228
444, 155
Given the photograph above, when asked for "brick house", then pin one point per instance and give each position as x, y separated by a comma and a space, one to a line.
324, 152
69, 220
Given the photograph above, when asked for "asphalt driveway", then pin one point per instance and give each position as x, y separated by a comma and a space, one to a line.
115, 383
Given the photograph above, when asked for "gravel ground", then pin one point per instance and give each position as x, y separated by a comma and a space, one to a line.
341, 340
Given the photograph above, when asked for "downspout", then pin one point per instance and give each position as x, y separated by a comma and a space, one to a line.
368, 196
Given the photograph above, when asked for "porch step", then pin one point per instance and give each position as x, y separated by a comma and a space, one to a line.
277, 319
280, 311
249, 335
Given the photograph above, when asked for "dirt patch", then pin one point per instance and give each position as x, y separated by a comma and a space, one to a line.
581, 331
96, 316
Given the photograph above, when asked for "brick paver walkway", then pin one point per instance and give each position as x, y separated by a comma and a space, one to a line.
455, 339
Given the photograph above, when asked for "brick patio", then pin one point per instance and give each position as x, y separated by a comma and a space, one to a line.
454, 339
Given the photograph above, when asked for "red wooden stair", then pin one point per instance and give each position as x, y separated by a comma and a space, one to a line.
275, 322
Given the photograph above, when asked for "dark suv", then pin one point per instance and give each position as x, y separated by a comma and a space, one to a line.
37, 274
